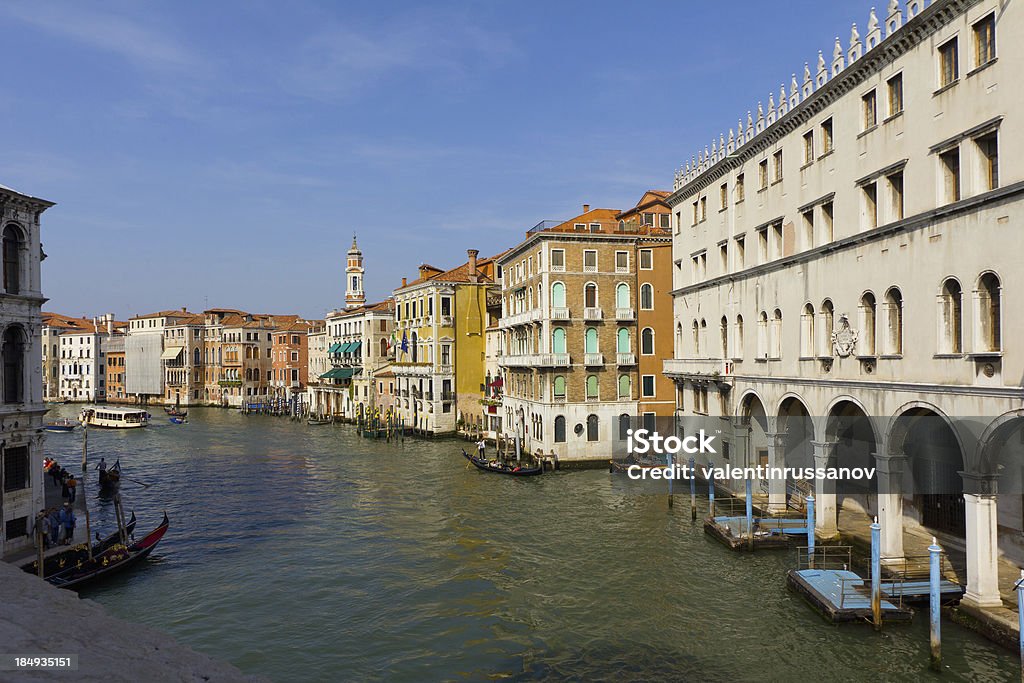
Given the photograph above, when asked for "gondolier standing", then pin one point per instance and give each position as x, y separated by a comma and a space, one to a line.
480, 446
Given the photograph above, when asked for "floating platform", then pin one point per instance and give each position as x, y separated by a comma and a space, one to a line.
841, 595
769, 532
920, 590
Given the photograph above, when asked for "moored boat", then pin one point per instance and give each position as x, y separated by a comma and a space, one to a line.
73, 555
497, 467
114, 417
318, 421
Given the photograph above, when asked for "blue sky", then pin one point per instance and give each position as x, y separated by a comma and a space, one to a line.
222, 154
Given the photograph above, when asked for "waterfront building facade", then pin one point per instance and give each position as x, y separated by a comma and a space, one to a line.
853, 253
570, 294
290, 365
144, 347
112, 347
182, 356
21, 377
440, 326
54, 324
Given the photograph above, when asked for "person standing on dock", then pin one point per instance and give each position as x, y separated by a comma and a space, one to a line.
72, 486
67, 519
64, 476
54, 521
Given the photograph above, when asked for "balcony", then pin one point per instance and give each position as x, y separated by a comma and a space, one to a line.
520, 361
560, 313
560, 360
593, 359
625, 314
590, 268
625, 359
718, 369
523, 318
447, 395
593, 313
445, 369
447, 321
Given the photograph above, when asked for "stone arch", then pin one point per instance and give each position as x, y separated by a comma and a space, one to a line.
851, 439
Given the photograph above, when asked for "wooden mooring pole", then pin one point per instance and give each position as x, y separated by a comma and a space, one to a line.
935, 604
670, 461
1020, 619
693, 490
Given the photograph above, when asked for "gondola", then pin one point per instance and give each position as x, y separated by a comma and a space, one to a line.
110, 561
79, 553
318, 421
174, 411
178, 420
495, 467
109, 480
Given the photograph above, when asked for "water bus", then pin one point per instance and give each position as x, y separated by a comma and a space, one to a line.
114, 417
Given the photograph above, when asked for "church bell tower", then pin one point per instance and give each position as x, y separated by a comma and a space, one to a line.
354, 294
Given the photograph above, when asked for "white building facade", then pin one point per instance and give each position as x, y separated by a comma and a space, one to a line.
855, 249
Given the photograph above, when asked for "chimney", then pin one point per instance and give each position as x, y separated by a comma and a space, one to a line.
184, 309
586, 208
473, 275
405, 281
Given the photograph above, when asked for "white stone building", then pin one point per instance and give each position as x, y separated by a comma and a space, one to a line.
21, 381
854, 247
144, 346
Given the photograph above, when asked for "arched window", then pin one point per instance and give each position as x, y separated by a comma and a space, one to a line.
415, 348
622, 295
622, 340
383, 348
951, 317
590, 295
647, 341
776, 334
12, 259
558, 386
560, 429
723, 337
696, 339
592, 425
197, 357
590, 339
679, 340
592, 387
646, 297
558, 295
703, 338
625, 387
14, 365
558, 340
623, 426
868, 316
738, 338
989, 326
762, 336
827, 313
894, 322
807, 332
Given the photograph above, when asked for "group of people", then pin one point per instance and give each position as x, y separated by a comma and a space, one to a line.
56, 526
61, 477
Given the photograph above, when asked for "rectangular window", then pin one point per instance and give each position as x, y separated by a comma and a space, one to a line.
695, 268
949, 67
723, 195
647, 386
703, 208
762, 174
739, 188
579, 226
595, 227
696, 212
896, 195
894, 86
808, 220
870, 215
985, 41
827, 229
988, 155
870, 110
777, 240
558, 260
740, 254
950, 167
723, 256
762, 245
777, 158
646, 259
826, 136
589, 261
622, 262
665, 220
16, 468
809, 147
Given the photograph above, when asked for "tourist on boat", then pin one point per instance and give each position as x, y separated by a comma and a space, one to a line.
72, 485
67, 519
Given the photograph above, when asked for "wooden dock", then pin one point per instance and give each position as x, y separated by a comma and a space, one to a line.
841, 595
769, 532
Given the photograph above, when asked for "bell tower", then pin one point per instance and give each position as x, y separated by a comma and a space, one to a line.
354, 294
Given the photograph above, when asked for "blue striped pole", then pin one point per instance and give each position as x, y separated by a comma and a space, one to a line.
693, 490
934, 603
711, 489
750, 514
876, 579
810, 531
1020, 619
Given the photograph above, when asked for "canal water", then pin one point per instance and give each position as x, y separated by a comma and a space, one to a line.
309, 554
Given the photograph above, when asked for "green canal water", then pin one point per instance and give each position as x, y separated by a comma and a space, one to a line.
308, 554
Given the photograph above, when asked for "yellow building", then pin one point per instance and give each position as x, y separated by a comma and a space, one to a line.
440, 323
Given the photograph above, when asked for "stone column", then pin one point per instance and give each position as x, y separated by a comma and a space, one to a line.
776, 458
825, 512
739, 435
890, 504
982, 544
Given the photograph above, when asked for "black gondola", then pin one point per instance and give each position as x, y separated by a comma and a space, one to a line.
496, 467
110, 561
79, 553
109, 480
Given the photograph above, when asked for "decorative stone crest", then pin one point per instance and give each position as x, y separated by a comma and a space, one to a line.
844, 339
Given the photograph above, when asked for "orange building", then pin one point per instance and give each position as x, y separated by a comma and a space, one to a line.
290, 362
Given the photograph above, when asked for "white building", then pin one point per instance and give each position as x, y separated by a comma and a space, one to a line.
82, 371
144, 346
855, 245
21, 380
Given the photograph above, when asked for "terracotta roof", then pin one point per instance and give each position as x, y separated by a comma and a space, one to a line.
460, 273
164, 314
61, 320
606, 217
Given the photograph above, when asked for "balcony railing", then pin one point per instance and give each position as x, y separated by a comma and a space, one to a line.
560, 313
560, 360
625, 359
558, 269
447, 395
625, 314
447, 321
522, 318
593, 313
592, 359
709, 367
590, 269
